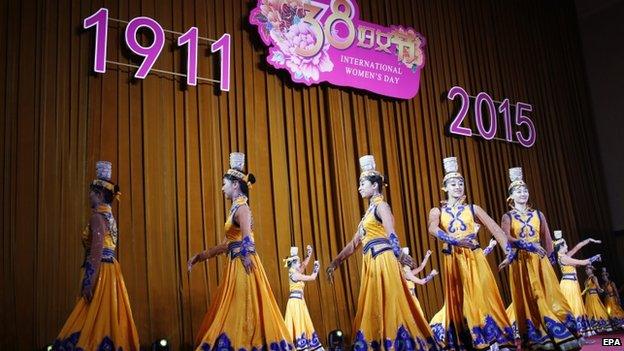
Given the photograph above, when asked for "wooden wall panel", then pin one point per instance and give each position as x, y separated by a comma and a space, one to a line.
169, 145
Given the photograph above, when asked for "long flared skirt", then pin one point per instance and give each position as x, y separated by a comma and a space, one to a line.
106, 322
473, 316
544, 318
244, 314
571, 290
616, 314
388, 316
597, 314
300, 327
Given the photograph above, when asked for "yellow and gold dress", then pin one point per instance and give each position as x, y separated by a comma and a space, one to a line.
596, 312
106, 322
473, 315
543, 316
616, 314
297, 318
387, 315
571, 289
244, 314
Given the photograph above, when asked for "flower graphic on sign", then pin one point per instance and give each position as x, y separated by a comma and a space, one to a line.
409, 47
281, 24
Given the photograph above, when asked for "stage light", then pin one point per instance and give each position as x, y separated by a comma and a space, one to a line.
160, 345
335, 340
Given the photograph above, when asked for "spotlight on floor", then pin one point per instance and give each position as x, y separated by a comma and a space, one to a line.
160, 345
335, 340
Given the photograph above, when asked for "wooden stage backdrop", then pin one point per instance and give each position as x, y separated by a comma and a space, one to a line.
169, 146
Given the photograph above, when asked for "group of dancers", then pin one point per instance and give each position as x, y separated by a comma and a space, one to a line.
545, 314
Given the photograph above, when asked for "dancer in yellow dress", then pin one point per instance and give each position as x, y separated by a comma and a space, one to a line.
411, 275
297, 317
612, 301
569, 284
599, 321
243, 314
543, 316
102, 318
387, 316
473, 316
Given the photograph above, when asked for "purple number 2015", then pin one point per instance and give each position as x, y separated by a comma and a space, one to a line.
504, 108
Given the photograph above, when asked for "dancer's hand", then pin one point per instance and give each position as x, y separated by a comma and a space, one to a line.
592, 240
428, 253
330, 271
540, 250
504, 264
308, 250
316, 267
433, 272
87, 293
248, 264
193, 260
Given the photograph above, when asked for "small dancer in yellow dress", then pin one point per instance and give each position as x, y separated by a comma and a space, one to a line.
244, 314
612, 301
411, 275
599, 321
102, 318
297, 317
569, 284
473, 315
543, 316
387, 316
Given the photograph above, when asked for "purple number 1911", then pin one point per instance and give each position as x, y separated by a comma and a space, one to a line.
488, 133
150, 53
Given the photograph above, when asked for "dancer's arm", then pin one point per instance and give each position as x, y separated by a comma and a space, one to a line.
569, 261
581, 244
387, 220
347, 251
243, 218
305, 262
491, 225
296, 276
422, 264
435, 230
409, 275
207, 254
510, 252
545, 238
93, 260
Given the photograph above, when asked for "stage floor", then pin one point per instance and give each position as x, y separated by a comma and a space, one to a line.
597, 342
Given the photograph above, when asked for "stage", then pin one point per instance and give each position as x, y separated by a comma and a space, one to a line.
597, 342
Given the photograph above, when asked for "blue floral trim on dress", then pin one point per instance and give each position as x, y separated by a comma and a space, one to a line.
555, 332
69, 344
492, 333
310, 344
88, 274
600, 325
223, 343
402, 342
481, 336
